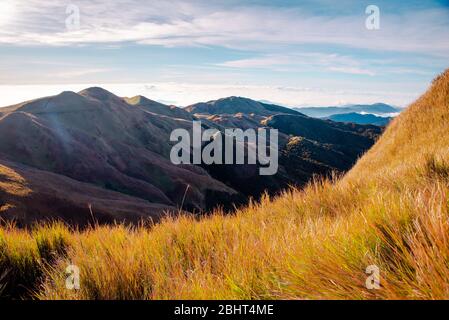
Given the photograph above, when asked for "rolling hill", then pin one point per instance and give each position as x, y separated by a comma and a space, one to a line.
234, 105
117, 149
96, 138
307, 146
389, 212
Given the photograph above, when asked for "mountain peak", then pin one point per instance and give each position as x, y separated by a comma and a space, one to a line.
97, 93
66, 97
234, 105
67, 94
233, 98
63, 102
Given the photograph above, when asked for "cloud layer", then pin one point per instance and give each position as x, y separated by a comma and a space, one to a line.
288, 51
196, 23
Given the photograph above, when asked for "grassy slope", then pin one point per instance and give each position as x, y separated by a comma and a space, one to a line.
391, 210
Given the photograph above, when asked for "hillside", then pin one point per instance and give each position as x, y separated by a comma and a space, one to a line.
28, 195
233, 105
159, 108
94, 137
416, 137
308, 147
360, 118
391, 210
118, 149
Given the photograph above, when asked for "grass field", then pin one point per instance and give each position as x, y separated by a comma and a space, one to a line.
391, 210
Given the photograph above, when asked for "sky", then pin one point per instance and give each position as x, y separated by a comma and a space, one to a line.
290, 52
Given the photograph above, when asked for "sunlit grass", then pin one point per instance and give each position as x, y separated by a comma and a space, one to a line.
391, 210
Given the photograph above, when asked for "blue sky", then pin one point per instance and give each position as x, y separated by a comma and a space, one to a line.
289, 52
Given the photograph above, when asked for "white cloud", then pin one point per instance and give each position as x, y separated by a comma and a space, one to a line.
181, 23
352, 70
301, 62
79, 72
265, 30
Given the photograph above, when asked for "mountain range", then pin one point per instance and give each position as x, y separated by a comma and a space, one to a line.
360, 118
328, 240
379, 109
94, 156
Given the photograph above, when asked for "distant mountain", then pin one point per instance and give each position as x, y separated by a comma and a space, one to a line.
361, 118
94, 156
307, 146
233, 105
102, 152
324, 112
345, 141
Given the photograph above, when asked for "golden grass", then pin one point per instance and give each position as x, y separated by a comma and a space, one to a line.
391, 210
13, 183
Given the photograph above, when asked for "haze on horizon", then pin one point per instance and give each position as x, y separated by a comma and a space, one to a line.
181, 52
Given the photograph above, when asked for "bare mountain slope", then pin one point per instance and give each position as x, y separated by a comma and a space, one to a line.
29, 195
307, 146
233, 105
98, 138
122, 145
159, 108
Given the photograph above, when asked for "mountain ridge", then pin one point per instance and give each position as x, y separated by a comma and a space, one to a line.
360, 118
324, 112
97, 138
234, 105
122, 146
